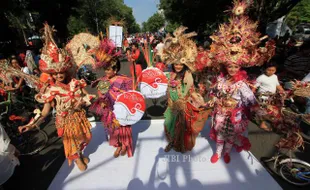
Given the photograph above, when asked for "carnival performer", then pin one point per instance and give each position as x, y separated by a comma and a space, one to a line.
235, 45
232, 99
183, 117
68, 96
109, 87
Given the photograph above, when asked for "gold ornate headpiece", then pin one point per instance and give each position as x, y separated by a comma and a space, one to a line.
237, 42
180, 49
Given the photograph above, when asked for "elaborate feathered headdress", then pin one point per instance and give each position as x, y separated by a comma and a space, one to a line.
53, 59
82, 47
7, 72
180, 49
237, 41
106, 54
78, 52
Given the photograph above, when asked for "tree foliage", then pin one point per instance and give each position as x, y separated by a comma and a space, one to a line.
21, 19
204, 16
299, 14
170, 27
265, 11
94, 15
154, 23
144, 27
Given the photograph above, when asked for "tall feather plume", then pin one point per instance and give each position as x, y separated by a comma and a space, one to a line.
7, 73
106, 54
148, 55
82, 47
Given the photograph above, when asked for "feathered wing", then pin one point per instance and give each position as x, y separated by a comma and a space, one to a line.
8, 72
30, 61
180, 49
106, 54
82, 48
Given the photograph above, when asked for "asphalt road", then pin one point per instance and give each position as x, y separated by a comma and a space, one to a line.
36, 172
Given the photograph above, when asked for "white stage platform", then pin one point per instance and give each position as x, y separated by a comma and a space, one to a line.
152, 168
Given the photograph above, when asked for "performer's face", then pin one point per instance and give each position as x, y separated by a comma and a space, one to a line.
59, 77
133, 47
15, 64
110, 72
270, 71
178, 67
232, 69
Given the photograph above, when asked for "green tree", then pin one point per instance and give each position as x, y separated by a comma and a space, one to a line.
135, 28
144, 27
299, 14
204, 16
54, 12
195, 14
265, 11
155, 22
95, 15
171, 27
76, 25
16, 14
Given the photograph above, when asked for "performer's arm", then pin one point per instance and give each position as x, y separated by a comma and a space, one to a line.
87, 100
280, 89
9, 88
20, 82
37, 120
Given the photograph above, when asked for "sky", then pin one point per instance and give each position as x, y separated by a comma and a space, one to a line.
142, 9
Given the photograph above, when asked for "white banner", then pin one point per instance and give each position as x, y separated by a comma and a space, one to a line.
116, 35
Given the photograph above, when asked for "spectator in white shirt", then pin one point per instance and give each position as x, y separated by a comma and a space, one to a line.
160, 45
268, 82
158, 49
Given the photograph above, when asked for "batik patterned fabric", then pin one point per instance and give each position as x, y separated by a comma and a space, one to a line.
71, 122
231, 110
108, 90
183, 118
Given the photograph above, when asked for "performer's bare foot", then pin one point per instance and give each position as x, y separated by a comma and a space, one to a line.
264, 126
117, 152
85, 160
168, 147
215, 158
124, 150
226, 158
80, 164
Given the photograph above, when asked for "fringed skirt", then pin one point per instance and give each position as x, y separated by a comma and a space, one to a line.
182, 127
231, 126
76, 134
121, 136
